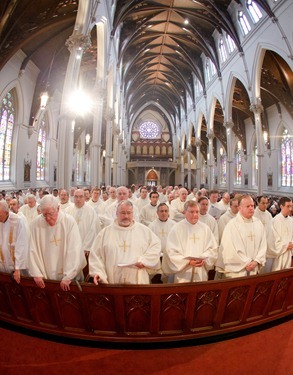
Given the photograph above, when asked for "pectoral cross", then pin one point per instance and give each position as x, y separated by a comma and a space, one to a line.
55, 241
251, 236
162, 233
124, 246
194, 238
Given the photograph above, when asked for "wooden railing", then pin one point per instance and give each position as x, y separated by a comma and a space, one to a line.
154, 313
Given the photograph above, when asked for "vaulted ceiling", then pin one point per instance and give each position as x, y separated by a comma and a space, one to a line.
161, 44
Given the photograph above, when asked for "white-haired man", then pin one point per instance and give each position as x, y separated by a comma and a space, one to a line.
55, 246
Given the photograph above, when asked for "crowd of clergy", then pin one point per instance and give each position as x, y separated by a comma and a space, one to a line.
142, 235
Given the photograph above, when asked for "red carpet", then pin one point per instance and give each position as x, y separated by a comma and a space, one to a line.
267, 352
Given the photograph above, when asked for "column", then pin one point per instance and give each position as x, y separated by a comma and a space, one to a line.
115, 154
211, 160
182, 167
198, 163
230, 156
257, 110
96, 141
188, 166
109, 134
76, 43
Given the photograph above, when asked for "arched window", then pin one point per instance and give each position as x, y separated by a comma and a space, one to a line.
149, 130
41, 150
223, 166
7, 118
222, 50
230, 43
245, 26
238, 164
287, 159
253, 10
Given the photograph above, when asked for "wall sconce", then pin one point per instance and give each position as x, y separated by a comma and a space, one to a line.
221, 151
104, 153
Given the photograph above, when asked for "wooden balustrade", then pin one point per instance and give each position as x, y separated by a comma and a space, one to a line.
147, 313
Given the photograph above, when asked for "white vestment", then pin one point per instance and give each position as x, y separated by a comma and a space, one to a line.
243, 241
211, 223
87, 222
55, 251
282, 234
267, 220
148, 214
65, 205
222, 205
13, 244
177, 206
185, 241
140, 202
29, 213
117, 248
224, 220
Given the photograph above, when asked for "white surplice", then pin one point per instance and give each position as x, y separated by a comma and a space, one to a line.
87, 222
282, 234
116, 250
13, 244
190, 240
243, 241
56, 251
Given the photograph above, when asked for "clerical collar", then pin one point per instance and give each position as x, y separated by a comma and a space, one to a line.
163, 221
246, 220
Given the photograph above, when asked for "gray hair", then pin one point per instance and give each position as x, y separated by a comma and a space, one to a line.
49, 201
126, 202
4, 206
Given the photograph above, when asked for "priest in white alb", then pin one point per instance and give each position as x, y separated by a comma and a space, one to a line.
281, 240
243, 246
87, 220
55, 246
13, 243
191, 249
124, 250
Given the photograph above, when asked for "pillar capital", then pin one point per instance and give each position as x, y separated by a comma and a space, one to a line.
79, 41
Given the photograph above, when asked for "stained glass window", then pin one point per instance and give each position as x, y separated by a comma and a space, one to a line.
149, 130
41, 150
7, 118
287, 159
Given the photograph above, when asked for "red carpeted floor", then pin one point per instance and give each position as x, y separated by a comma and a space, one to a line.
267, 352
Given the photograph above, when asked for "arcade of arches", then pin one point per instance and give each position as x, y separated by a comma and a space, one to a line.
185, 92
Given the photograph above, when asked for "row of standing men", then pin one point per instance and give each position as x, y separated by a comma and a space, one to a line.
125, 240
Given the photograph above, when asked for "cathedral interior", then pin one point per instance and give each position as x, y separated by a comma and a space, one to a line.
188, 92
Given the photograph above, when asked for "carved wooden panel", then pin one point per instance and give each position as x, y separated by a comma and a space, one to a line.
101, 310
173, 307
280, 294
235, 305
41, 307
137, 313
70, 311
205, 310
260, 299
